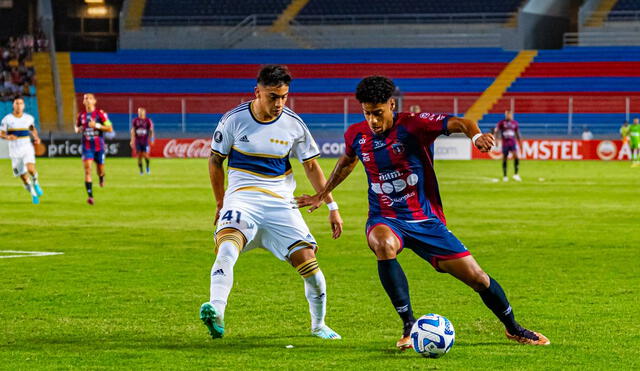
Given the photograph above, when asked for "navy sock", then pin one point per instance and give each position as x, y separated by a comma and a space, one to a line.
89, 187
516, 164
146, 160
395, 284
496, 300
140, 166
504, 167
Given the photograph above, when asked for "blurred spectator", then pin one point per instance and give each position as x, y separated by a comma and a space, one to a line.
586, 134
17, 75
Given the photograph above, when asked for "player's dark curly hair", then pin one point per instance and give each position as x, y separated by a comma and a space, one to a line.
375, 89
274, 75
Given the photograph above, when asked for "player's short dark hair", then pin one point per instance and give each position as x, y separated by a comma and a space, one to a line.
274, 75
18, 97
375, 89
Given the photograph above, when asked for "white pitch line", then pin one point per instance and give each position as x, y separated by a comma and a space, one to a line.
25, 254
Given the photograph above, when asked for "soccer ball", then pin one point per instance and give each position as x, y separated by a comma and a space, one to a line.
432, 335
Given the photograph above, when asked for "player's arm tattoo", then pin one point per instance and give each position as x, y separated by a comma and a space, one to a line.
340, 172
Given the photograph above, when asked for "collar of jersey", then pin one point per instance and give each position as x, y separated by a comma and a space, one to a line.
261, 122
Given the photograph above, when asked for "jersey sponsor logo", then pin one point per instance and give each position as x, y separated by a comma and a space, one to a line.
244, 139
362, 140
366, 157
432, 116
388, 201
377, 144
217, 136
395, 185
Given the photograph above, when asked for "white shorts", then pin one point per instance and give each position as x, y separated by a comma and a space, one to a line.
19, 163
274, 224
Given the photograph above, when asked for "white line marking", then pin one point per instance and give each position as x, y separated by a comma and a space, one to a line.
25, 254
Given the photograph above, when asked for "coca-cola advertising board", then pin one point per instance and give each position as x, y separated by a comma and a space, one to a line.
560, 149
181, 148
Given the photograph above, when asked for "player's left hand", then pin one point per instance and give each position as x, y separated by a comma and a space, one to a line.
336, 223
305, 200
485, 142
92, 124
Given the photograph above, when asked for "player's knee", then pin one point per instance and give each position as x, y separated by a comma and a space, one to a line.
478, 280
384, 248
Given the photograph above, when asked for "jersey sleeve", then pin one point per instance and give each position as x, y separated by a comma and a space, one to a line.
348, 143
432, 125
4, 124
104, 118
305, 147
79, 120
222, 139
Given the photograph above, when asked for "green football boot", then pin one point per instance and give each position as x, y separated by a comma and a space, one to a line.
212, 319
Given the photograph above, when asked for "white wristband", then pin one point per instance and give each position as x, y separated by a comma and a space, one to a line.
332, 206
98, 126
475, 137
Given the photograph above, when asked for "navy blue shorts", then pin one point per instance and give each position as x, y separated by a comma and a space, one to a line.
142, 148
430, 238
97, 156
507, 149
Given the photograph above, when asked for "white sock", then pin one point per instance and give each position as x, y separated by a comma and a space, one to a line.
30, 189
315, 289
34, 178
222, 275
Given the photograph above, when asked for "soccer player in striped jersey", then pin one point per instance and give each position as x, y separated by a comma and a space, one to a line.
16, 127
405, 209
142, 137
92, 123
257, 209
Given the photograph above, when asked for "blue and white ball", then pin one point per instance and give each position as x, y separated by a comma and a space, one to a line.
432, 335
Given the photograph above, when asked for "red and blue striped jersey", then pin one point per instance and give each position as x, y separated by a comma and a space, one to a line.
142, 128
92, 138
399, 165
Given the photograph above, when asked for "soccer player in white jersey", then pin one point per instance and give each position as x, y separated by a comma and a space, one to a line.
257, 209
15, 128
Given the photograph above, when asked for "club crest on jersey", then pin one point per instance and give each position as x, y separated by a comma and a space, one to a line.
397, 147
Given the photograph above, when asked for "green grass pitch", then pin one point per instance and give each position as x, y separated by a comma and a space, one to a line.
135, 269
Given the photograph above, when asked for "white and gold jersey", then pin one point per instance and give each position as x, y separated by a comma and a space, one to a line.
18, 126
259, 152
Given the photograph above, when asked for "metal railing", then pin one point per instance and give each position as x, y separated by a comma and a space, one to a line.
199, 115
604, 38
347, 19
239, 32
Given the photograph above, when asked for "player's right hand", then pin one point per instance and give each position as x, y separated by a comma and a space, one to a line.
313, 201
485, 142
11, 137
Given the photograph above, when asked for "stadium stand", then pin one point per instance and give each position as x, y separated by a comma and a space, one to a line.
233, 10
208, 83
355, 7
597, 84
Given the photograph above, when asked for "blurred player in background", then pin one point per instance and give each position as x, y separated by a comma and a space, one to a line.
405, 209
509, 131
142, 137
15, 127
624, 133
92, 123
634, 141
257, 209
